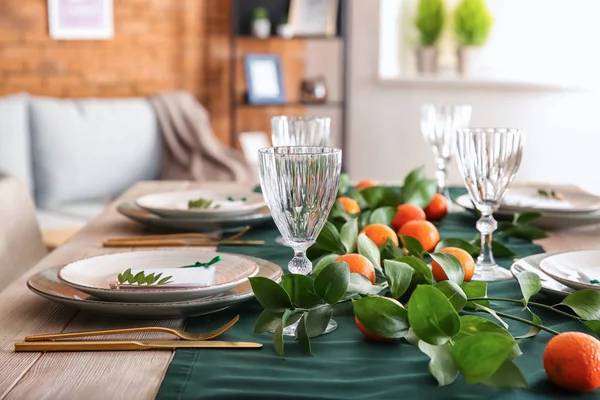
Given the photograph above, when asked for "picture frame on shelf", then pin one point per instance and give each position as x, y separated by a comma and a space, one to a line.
81, 20
264, 79
313, 17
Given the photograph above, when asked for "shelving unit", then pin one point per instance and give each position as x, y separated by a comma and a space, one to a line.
301, 57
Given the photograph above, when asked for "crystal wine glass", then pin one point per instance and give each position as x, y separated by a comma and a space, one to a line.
300, 185
299, 131
488, 160
439, 125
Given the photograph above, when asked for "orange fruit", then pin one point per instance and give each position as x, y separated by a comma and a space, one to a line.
437, 208
370, 335
359, 264
465, 259
572, 361
380, 233
405, 213
349, 204
365, 184
424, 231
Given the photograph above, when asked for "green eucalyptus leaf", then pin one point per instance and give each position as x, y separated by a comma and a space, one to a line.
139, 275
453, 293
432, 316
367, 248
267, 320
362, 203
412, 246
507, 376
416, 175
269, 294
451, 266
323, 262
315, 251
381, 196
382, 316
349, 235
332, 283
164, 280
530, 284
441, 364
120, 278
533, 331
422, 272
585, 303
420, 193
148, 280
527, 217
525, 231
593, 325
329, 239
501, 251
480, 308
317, 320
475, 289
460, 243
383, 215
127, 273
278, 334
390, 251
338, 211
344, 186
300, 289
360, 284
302, 336
364, 219
479, 356
398, 275
130, 279
411, 338
472, 325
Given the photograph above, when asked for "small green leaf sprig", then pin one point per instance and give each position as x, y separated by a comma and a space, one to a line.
231, 198
141, 278
201, 204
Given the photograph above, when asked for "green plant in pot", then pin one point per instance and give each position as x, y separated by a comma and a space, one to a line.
429, 21
472, 25
261, 25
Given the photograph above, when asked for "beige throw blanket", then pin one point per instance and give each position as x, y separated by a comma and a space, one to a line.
191, 150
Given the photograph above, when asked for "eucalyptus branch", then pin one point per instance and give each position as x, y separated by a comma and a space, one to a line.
531, 303
526, 321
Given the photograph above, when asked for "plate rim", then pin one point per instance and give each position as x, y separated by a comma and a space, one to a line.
542, 255
567, 282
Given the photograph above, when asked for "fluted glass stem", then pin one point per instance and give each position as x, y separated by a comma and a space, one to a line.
440, 175
300, 264
486, 225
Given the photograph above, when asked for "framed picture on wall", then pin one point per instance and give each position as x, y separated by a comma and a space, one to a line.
80, 19
264, 79
313, 17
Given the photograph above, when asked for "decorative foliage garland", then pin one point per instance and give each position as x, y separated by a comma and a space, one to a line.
438, 317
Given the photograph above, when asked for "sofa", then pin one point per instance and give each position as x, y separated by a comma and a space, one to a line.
75, 156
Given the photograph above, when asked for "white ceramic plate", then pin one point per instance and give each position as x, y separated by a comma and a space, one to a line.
548, 220
46, 284
574, 269
175, 204
223, 224
94, 275
532, 264
527, 199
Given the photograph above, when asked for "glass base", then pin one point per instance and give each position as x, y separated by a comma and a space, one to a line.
280, 240
491, 272
291, 330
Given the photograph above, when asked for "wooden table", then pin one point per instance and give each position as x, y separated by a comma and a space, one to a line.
112, 375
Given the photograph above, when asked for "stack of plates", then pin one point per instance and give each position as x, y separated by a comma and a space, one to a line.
574, 208
228, 211
89, 284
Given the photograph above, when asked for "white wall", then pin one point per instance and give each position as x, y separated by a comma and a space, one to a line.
384, 140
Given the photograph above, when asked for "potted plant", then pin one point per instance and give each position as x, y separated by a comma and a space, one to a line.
430, 23
285, 30
261, 26
472, 25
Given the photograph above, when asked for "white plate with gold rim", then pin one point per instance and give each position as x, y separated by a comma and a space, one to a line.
228, 203
94, 275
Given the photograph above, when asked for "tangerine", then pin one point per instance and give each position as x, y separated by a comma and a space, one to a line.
465, 259
380, 233
405, 213
572, 361
437, 208
349, 204
365, 184
359, 264
424, 231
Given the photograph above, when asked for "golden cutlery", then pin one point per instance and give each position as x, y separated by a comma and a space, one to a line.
178, 236
181, 334
108, 345
180, 243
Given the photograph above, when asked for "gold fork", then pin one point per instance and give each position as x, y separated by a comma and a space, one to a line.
181, 334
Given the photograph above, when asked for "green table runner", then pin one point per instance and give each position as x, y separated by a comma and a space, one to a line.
345, 365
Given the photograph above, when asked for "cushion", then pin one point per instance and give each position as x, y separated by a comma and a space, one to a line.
91, 149
15, 143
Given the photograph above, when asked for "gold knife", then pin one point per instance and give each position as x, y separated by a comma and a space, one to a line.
113, 345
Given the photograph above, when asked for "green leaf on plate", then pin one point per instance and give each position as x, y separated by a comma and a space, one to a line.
267, 320
390, 251
585, 303
507, 376
530, 284
360, 284
422, 272
533, 331
317, 320
329, 239
332, 283
300, 289
475, 289
460, 243
269, 294
302, 336
382, 316
323, 262
412, 246
398, 275
349, 235
383, 215
453, 293
451, 266
367, 248
441, 364
526, 218
432, 316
